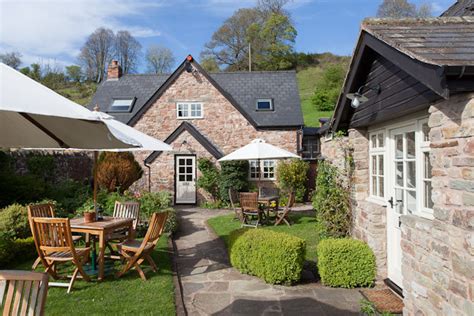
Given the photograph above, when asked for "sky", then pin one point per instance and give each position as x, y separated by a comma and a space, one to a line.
54, 30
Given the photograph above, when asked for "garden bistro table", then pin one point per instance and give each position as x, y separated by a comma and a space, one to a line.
267, 201
101, 229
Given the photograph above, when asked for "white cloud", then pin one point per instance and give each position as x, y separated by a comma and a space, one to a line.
52, 28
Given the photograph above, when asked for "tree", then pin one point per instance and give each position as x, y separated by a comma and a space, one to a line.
97, 52
159, 59
12, 59
273, 6
209, 179
229, 44
128, 51
35, 72
117, 171
328, 87
402, 9
74, 73
210, 64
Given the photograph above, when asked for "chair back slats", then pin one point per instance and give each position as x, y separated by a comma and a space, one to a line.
23, 292
52, 234
41, 210
249, 201
128, 210
155, 228
266, 192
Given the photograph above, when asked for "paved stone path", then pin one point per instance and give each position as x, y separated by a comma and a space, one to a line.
211, 286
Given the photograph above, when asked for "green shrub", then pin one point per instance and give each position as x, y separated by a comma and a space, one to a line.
69, 196
234, 174
171, 225
345, 263
292, 176
275, 257
14, 221
24, 248
117, 171
331, 202
151, 202
6, 250
209, 179
41, 165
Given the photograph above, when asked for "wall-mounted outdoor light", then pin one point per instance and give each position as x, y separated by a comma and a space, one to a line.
358, 97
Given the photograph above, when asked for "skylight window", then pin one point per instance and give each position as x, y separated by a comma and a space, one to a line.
122, 105
264, 105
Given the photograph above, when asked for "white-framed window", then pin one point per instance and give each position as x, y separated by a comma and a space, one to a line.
122, 105
189, 110
377, 164
267, 168
425, 166
264, 105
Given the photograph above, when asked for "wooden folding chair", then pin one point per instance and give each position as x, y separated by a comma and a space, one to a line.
23, 292
43, 210
233, 198
53, 240
135, 251
282, 215
124, 210
250, 209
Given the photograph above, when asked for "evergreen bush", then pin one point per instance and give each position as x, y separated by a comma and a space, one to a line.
292, 176
209, 179
234, 174
117, 171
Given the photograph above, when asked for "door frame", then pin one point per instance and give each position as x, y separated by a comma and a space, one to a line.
176, 177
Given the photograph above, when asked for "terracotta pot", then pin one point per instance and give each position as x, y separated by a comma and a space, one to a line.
89, 217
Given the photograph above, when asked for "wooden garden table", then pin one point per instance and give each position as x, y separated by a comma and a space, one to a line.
266, 201
101, 229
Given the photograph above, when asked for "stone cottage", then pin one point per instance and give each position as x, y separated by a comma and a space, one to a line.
407, 108
203, 114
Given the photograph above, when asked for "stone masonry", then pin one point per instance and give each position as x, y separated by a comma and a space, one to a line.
438, 254
222, 124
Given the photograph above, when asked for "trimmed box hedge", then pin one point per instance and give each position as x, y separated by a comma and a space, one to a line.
275, 257
345, 263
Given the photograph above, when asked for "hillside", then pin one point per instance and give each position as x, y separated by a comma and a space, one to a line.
78, 92
307, 81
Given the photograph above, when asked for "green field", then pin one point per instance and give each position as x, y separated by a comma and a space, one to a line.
306, 83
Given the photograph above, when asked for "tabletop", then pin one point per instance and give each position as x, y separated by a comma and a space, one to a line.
107, 223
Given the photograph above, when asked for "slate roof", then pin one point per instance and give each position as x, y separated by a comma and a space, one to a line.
444, 41
243, 87
460, 8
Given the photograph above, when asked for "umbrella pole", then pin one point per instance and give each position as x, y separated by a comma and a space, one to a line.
96, 153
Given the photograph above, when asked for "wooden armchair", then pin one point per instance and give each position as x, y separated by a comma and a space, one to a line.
282, 215
53, 240
135, 251
250, 209
43, 210
233, 198
23, 292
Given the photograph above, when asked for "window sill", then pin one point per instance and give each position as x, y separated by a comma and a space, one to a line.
376, 200
262, 180
189, 118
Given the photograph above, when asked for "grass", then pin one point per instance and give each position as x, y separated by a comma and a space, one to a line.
306, 83
127, 295
304, 226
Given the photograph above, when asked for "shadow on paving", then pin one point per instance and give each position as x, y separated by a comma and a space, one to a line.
296, 306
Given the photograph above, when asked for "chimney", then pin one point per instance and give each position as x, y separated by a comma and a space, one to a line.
114, 72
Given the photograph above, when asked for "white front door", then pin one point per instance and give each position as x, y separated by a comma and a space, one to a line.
185, 180
402, 193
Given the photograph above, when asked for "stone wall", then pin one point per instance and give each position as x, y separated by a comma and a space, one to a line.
438, 254
223, 125
369, 219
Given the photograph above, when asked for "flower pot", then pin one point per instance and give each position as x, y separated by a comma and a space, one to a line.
89, 217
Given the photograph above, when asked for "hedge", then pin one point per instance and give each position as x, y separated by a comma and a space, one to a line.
345, 263
275, 257
15, 249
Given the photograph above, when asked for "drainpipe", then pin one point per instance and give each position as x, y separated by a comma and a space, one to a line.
149, 174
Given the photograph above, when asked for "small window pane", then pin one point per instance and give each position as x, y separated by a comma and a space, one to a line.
427, 163
410, 138
181, 169
380, 140
121, 105
374, 185
189, 162
381, 187
189, 178
373, 140
399, 173
189, 169
411, 201
399, 204
426, 132
398, 146
374, 164
428, 203
411, 174
381, 165
181, 177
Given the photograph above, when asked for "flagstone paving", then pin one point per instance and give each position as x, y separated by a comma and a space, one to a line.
210, 286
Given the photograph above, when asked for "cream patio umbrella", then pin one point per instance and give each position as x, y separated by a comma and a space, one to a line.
258, 150
34, 117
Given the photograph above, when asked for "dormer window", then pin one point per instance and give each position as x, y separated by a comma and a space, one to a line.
189, 110
264, 105
122, 105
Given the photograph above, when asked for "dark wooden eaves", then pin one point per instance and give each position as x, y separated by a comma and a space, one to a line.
186, 126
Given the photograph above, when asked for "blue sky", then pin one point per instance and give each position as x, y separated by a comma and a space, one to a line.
46, 30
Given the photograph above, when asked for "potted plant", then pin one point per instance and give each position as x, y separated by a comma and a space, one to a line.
87, 210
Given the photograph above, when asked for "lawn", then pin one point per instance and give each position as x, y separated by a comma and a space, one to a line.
127, 295
306, 84
304, 226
